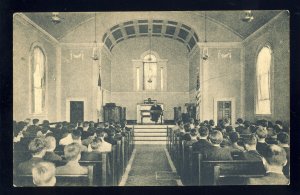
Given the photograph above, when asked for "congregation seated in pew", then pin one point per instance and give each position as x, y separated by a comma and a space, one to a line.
42, 148
224, 144
72, 154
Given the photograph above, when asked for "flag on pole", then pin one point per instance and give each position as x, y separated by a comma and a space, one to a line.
99, 96
99, 80
198, 97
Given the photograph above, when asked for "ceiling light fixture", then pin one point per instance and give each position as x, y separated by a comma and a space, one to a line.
247, 16
95, 55
55, 18
205, 51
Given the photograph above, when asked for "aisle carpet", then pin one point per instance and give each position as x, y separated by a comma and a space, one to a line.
150, 167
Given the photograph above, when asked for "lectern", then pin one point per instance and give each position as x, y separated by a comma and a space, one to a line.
143, 113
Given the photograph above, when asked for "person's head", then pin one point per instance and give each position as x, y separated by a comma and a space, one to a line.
187, 127
216, 137
58, 126
253, 128
283, 138
155, 103
50, 143
37, 147
278, 122
239, 121
226, 121
85, 125
72, 152
205, 122
261, 133
194, 132
70, 128
35, 121
179, 122
264, 123
76, 134
92, 124
229, 129
247, 124
234, 137
46, 123
27, 121
95, 144
43, 174
275, 157
203, 132
250, 142
65, 123
101, 133
211, 123
192, 121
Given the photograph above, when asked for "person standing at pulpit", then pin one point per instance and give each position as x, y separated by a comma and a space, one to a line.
155, 112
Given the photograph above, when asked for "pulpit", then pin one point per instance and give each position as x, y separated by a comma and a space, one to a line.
143, 113
114, 113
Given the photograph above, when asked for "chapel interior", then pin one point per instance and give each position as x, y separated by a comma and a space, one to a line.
111, 67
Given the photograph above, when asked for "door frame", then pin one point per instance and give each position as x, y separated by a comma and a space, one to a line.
68, 100
233, 116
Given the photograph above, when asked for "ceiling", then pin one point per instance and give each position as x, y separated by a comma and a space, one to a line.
228, 19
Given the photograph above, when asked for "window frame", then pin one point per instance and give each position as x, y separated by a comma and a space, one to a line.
44, 112
155, 61
271, 87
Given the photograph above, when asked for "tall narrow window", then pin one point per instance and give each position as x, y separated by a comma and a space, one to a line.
38, 81
263, 78
150, 72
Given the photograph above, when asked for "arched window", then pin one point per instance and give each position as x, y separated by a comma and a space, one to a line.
38, 81
150, 72
263, 77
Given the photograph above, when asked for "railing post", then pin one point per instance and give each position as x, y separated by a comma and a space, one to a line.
103, 169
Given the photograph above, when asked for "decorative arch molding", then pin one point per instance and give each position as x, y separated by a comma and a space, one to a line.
154, 27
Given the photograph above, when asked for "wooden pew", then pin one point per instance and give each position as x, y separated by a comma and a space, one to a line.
234, 172
61, 180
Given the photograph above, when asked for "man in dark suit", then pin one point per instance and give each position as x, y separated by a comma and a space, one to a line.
240, 126
155, 112
215, 152
275, 159
37, 149
283, 141
32, 129
250, 146
261, 134
202, 143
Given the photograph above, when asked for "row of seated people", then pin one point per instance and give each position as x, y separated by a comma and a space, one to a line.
261, 141
41, 144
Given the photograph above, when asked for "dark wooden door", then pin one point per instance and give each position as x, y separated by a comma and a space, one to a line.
224, 110
76, 111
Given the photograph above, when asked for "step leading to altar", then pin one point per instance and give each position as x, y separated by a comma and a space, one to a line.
150, 134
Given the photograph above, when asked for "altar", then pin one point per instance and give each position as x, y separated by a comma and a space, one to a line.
143, 113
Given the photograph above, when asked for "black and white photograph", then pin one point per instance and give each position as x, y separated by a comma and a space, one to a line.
151, 98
